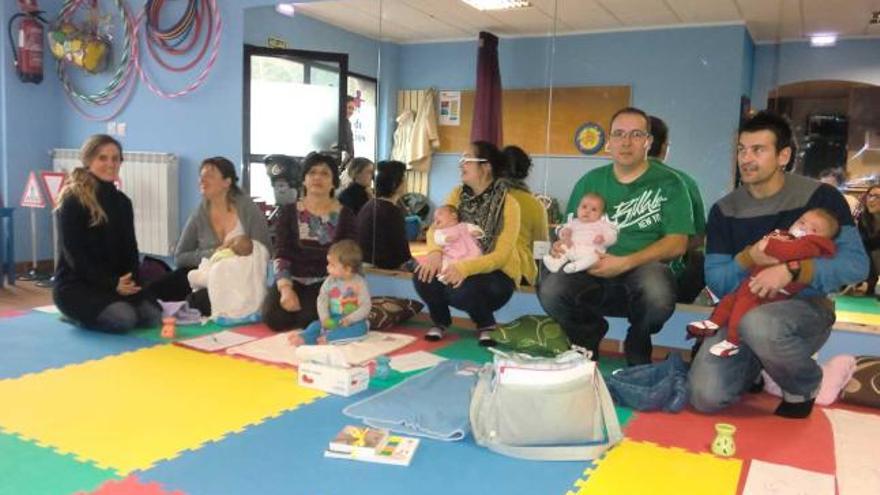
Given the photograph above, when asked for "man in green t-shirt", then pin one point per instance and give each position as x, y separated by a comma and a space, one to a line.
654, 216
691, 278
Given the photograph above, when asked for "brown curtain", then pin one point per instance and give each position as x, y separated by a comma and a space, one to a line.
486, 125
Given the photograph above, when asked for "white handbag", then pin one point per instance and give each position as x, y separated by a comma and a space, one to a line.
543, 408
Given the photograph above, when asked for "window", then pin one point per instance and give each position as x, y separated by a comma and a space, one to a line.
294, 103
363, 122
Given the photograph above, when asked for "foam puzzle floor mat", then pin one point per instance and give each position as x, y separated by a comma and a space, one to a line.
863, 310
37, 341
27, 468
133, 486
643, 468
285, 455
83, 412
806, 444
128, 411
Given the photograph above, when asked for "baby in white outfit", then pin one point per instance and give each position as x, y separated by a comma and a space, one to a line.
584, 237
236, 243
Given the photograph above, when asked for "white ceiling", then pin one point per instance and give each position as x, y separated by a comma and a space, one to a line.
435, 20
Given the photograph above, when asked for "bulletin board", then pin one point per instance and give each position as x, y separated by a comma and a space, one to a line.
525, 112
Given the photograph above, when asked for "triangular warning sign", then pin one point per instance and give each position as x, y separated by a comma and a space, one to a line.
53, 181
32, 197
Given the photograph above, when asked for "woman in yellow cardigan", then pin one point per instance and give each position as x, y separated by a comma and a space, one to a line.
533, 215
482, 285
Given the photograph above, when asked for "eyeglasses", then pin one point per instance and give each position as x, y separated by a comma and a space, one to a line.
873, 197
634, 134
471, 159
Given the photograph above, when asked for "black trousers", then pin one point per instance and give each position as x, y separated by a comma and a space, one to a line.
279, 319
174, 286
479, 296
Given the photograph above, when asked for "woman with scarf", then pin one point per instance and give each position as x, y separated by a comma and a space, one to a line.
533, 215
482, 285
868, 222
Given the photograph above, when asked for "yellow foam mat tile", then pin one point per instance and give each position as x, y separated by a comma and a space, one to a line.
644, 468
860, 318
128, 411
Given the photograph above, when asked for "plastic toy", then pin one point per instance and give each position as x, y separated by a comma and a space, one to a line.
168, 328
723, 445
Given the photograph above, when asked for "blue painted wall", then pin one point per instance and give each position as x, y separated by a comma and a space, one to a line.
389, 83
304, 33
205, 123
692, 77
31, 126
748, 74
850, 60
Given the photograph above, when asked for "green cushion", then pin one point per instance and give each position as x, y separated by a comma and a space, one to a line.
532, 334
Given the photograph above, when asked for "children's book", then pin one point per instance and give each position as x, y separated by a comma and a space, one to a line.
396, 450
358, 439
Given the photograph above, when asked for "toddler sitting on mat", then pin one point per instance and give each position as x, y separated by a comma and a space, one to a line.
343, 301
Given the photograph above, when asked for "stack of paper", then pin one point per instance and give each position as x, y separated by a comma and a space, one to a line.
217, 341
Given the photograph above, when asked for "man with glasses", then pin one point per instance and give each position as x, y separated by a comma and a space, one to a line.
778, 337
653, 212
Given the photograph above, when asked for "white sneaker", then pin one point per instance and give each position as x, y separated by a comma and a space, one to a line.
725, 348
701, 328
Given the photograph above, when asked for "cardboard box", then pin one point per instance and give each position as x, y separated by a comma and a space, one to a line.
333, 379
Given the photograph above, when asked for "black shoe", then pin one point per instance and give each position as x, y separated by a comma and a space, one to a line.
795, 410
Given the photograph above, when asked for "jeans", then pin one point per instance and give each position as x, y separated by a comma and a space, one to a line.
778, 337
479, 296
579, 302
123, 316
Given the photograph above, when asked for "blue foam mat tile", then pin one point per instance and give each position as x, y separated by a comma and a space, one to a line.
38, 341
286, 455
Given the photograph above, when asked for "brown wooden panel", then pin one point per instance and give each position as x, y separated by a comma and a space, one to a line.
525, 112
456, 138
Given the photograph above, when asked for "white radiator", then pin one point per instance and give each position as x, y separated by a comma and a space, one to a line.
151, 181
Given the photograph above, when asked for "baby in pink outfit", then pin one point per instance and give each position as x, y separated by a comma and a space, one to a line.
458, 239
583, 238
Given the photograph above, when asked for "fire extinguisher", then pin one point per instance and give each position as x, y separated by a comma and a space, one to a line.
27, 51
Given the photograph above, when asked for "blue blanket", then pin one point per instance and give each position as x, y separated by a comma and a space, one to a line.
433, 404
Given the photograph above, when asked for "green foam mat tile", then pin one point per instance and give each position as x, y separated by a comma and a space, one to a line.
466, 348
857, 304
183, 332
28, 468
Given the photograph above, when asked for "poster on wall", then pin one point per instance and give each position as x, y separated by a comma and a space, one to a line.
450, 108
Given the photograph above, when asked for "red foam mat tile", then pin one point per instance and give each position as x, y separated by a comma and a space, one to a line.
132, 486
806, 444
